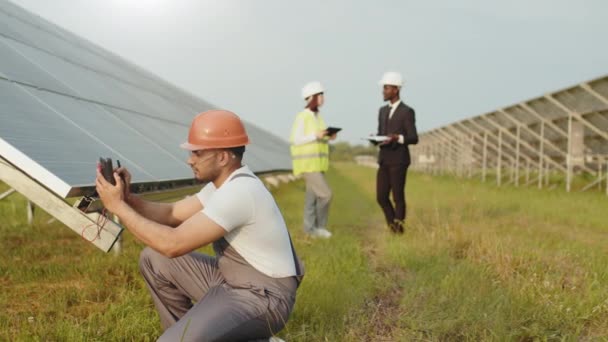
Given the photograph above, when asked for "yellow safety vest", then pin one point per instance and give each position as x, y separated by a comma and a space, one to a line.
312, 156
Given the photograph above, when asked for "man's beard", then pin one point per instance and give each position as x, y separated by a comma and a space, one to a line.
208, 177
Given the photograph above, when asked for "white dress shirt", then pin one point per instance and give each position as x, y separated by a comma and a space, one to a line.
393, 107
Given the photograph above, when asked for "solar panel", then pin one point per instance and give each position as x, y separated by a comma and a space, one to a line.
64, 102
562, 131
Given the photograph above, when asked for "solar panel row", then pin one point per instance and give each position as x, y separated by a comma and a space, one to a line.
64, 102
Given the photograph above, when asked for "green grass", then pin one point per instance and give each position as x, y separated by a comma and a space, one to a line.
500, 263
477, 262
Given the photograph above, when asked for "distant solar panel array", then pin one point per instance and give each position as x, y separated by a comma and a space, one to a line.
544, 141
64, 102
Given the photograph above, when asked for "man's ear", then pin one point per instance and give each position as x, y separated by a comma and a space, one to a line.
226, 158
223, 158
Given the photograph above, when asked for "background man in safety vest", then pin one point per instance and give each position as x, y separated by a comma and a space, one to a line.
248, 290
398, 122
310, 154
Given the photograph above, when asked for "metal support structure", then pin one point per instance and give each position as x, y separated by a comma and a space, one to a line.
117, 248
450, 152
507, 146
531, 143
30, 213
464, 147
578, 117
541, 137
84, 224
29, 209
7, 193
512, 136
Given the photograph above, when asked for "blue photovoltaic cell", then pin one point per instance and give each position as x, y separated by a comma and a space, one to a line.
64, 102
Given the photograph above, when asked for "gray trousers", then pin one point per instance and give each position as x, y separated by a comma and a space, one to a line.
234, 310
318, 199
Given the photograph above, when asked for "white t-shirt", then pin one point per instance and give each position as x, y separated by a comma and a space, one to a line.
253, 221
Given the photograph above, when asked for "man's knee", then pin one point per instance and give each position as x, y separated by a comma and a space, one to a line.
383, 198
149, 257
399, 197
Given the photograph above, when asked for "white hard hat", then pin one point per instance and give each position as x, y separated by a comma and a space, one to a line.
392, 78
311, 89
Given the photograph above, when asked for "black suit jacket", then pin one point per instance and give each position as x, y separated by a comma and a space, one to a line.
402, 122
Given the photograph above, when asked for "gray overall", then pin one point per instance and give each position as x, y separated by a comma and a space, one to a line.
222, 298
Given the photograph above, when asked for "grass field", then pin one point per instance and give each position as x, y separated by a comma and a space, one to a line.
476, 263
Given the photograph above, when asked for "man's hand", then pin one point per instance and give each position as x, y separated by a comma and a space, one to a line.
111, 196
321, 134
391, 139
125, 175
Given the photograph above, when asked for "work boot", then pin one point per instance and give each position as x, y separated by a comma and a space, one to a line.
324, 232
396, 227
320, 233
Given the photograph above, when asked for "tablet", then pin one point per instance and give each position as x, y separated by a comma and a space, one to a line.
333, 130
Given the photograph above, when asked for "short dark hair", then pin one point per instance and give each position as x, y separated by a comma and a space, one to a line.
237, 151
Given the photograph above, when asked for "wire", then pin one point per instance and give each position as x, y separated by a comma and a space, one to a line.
101, 221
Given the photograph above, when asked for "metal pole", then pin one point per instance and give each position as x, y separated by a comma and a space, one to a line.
499, 162
599, 173
527, 171
512, 173
462, 150
117, 248
428, 155
434, 165
436, 154
472, 144
485, 157
517, 157
446, 157
30, 213
547, 172
541, 154
442, 157
569, 156
449, 159
454, 160
440, 152
606, 178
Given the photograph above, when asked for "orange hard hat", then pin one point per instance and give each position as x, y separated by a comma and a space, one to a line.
216, 129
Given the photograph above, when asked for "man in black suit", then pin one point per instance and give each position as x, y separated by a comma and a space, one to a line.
396, 121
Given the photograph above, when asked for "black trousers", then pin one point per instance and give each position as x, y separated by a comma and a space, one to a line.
392, 178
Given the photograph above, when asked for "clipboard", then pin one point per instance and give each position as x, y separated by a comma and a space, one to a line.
377, 138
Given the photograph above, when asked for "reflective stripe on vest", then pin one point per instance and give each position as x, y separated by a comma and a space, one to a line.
313, 156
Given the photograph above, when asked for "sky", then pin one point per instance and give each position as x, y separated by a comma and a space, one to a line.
459, 58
